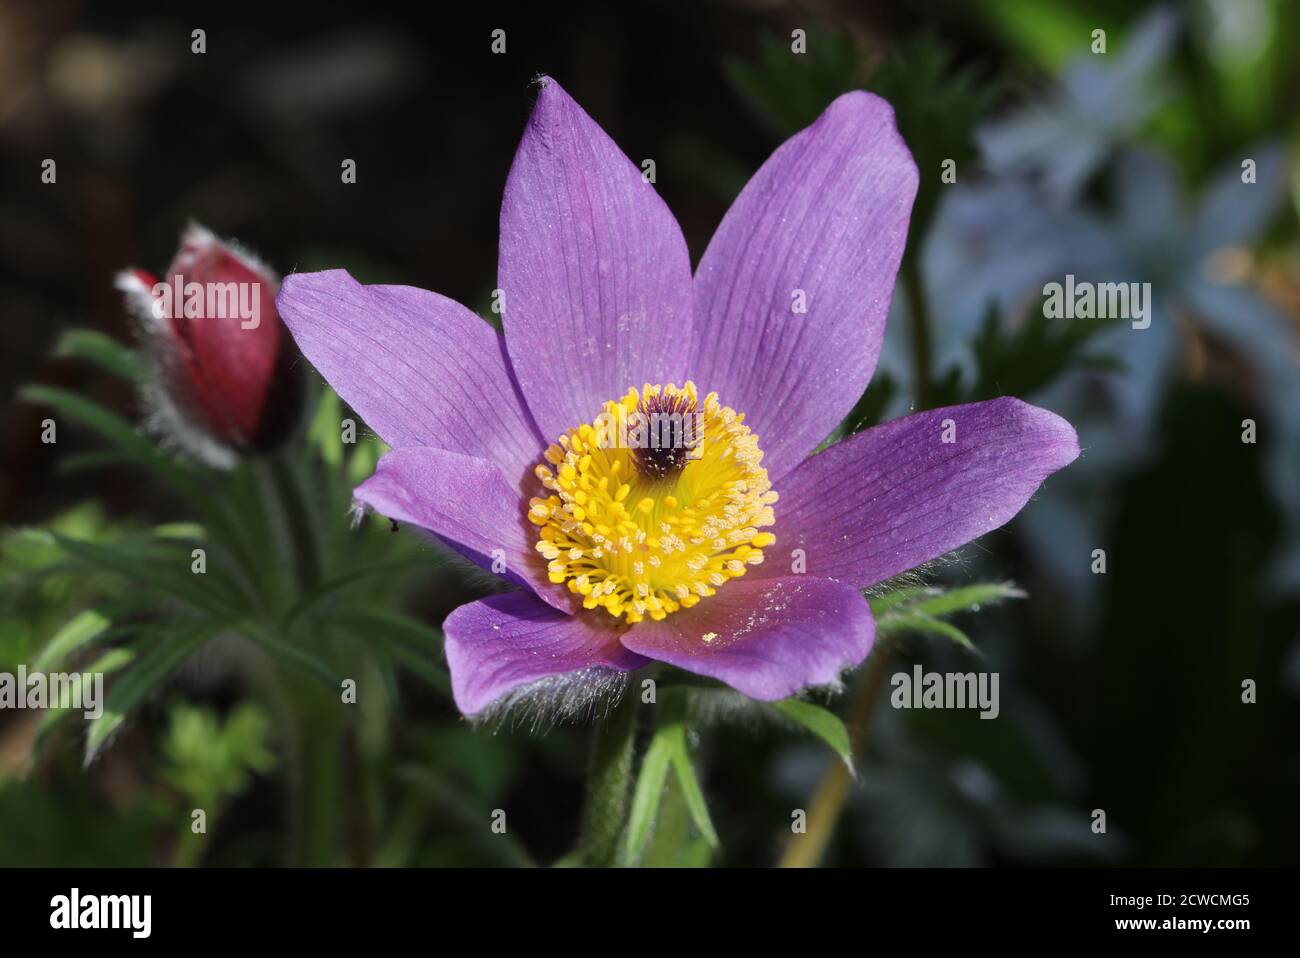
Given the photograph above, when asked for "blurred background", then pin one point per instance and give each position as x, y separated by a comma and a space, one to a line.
1121, 691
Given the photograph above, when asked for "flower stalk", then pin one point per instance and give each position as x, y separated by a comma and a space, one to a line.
806, 851
608, 785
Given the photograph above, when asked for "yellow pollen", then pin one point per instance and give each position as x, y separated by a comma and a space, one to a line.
642, 533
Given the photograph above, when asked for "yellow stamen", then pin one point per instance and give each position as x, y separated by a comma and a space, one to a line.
639, 533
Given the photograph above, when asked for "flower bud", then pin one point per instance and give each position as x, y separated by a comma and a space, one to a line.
221, 380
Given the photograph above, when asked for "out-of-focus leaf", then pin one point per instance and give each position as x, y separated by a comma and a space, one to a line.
77, 634
325, 430
212, 592
788, 90
138, 449
1020, 361
103, 351
671, 843
342, 581
210, 760
111, 661
410, 643
1049, 31
153, 665
365, 456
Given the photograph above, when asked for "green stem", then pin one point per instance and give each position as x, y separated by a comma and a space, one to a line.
317, 774
306, 554
827, 804
608, 784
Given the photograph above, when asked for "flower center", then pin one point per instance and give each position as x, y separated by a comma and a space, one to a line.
655, 504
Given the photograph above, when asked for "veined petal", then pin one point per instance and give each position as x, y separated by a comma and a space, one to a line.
900, 494
593, 268
467, 502
420, 368
504, 643
767, 639
792, 294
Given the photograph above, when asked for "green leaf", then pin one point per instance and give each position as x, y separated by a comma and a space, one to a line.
365, 456
966, 598
410, 643
210, 760
671, 843
649, 789
1048, 31
789, 91
1018, 360
78, 633
669, 748
292, 654
324, 589
153, 666
103, 351
881, 605
139, 449
915, 622
691, 791
325, 430
823, 723
107, 424
167, 572
919, 608
108, 663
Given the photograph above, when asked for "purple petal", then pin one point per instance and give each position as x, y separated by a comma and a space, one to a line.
767, 639
825, 219
498, 644
467, 502
420, 368
593, 268
896, 496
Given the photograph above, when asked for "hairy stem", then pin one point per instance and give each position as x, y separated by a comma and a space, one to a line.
608, 784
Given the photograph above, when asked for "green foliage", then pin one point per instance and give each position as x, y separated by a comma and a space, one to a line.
1021, 359
102, 351
668, 750
922, 609
788, 90
39, 591
823, 723
210, 761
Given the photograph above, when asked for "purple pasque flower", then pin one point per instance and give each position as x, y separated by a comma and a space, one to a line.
743, 559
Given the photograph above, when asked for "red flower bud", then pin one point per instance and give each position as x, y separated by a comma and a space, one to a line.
222, 381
